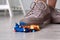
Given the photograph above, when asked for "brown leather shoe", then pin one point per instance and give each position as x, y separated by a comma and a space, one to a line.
39, 14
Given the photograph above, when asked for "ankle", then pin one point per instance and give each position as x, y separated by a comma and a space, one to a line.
40, 0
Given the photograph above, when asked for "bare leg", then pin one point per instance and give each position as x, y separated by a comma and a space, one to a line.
52, 3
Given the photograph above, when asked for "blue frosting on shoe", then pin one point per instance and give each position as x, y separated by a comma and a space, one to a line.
22, 23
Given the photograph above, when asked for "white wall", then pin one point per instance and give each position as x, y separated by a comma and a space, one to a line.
58, 4
26, 3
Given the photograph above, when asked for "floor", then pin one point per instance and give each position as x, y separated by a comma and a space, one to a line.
50, 32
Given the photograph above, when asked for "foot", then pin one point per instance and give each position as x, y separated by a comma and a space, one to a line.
38, 14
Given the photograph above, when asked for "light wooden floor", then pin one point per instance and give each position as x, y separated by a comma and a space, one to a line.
50, 32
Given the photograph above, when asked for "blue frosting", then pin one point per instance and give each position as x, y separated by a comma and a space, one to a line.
21, 29
22, 23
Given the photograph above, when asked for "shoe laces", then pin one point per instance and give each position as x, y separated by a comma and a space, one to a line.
32, 7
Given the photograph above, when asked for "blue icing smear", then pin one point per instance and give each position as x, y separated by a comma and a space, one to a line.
16, 25
18, 29
22, 23
21, 29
